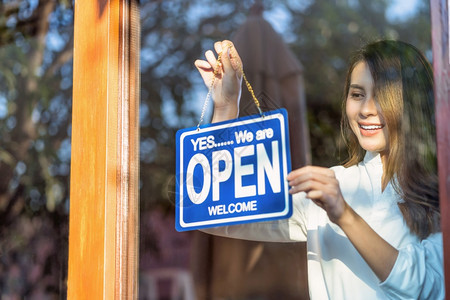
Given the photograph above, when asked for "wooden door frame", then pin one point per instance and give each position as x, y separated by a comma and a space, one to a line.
104, 207
441, 65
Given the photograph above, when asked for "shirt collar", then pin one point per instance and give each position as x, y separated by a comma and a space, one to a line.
372, 158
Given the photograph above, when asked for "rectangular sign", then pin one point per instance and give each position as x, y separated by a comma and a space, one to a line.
233, 172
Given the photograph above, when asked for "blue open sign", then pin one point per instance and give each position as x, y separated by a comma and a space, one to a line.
233, 172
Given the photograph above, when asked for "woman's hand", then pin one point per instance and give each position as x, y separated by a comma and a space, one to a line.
322, 187
227, 76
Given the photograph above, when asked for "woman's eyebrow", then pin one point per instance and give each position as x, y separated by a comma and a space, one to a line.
356, 86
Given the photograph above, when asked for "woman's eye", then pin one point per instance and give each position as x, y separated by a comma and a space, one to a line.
356, 95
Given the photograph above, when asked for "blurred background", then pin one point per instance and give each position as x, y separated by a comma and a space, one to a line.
36, 48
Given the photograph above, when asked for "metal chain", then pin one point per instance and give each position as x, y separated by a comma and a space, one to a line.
205, 104
250, 89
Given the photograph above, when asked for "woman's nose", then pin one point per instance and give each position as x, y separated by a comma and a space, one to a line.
368, 107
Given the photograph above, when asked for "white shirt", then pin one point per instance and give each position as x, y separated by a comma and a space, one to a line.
335, 268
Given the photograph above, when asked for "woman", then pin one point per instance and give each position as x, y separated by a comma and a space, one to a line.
372, 225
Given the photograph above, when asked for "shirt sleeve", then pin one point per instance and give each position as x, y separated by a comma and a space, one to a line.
292, 229
418, 272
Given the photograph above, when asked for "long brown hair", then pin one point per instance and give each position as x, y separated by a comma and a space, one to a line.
403, 87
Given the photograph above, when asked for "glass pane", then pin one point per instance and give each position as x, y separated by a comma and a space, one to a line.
36, 41
320, 36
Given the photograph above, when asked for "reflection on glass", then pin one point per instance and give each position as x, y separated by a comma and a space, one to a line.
321, 34
35, 116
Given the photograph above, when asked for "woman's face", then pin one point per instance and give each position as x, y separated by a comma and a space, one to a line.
364, 113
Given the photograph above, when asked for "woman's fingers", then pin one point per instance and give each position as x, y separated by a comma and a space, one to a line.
230, 61
315, 196
235, 60
321, 186
224, 48
310, 171
211, 58
205, 70
203, 65
307, 186
322, 175
223, 45
324, 179
225, 56
229, 56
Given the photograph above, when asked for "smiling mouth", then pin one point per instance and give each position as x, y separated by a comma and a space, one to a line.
370, 127
370, 130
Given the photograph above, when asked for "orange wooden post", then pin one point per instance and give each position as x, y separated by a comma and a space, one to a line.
441, 65
104, 211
